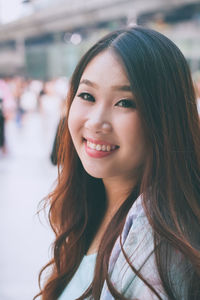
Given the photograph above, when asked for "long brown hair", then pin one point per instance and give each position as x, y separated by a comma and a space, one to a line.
161, 82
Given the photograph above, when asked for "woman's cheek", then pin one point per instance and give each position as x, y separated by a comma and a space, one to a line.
72, 118
75, 119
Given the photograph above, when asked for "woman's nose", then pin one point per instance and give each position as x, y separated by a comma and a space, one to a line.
98, 122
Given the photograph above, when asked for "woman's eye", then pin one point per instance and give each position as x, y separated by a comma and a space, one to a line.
126, 103
86, 96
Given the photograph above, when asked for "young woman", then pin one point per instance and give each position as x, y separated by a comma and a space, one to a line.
126, 208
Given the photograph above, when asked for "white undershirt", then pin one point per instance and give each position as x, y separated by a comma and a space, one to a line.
81, 279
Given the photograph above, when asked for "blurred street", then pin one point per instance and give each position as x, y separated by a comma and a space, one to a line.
26, 176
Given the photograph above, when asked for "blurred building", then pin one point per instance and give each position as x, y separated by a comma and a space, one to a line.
48, 36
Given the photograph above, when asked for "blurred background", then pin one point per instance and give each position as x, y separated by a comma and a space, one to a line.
41, 41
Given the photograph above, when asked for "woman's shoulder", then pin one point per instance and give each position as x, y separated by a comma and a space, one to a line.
136, 220
137, 236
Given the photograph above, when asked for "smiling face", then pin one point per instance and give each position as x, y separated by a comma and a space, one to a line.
104, 122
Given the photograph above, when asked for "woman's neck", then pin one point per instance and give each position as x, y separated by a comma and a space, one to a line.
116, 193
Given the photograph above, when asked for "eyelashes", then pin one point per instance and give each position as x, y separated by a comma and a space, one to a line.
125, 103
87, 97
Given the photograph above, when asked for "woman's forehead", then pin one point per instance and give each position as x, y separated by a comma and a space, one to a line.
107, 69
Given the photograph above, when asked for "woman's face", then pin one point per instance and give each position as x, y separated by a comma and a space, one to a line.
104, 123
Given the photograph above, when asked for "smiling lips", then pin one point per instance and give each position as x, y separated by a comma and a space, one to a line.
99, 149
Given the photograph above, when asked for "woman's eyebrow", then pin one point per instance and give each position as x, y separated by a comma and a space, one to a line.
125, 87
88, 82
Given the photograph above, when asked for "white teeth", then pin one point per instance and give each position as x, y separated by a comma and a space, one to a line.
108, 148
99, 147
93, 146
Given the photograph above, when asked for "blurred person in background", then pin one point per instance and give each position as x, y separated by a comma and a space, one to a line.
51, 102
7, 111
126, 208
9, 105
17, 85
29, 98
2, 127
62, 89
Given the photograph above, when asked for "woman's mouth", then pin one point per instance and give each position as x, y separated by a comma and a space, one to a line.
99, 149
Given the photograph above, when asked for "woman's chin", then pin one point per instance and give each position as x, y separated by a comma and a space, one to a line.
94, 172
